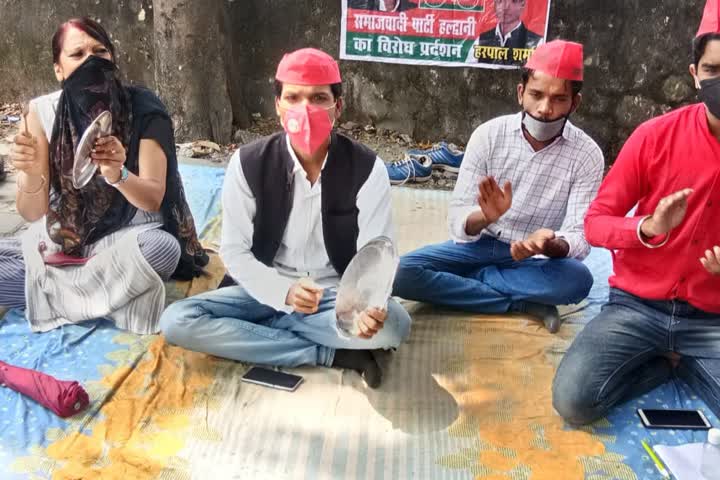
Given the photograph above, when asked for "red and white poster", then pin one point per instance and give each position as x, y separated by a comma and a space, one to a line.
464, 33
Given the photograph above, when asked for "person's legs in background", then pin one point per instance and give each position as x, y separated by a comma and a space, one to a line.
440, 274
349, 352
696, 338
12, 274
620, 354
482, 277
537, 286
229, 323
161, 250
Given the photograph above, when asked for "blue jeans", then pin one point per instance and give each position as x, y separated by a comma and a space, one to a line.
230, 323
482, 277
622, 352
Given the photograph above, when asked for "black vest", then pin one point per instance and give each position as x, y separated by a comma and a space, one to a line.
267, 166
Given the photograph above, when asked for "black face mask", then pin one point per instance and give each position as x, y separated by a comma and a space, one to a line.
710, 95
89, 90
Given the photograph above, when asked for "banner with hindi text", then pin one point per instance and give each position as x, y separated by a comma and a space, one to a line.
460, 33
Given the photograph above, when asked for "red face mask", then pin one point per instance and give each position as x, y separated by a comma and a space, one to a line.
308, 126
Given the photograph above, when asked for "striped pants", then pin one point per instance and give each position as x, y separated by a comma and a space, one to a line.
160, 249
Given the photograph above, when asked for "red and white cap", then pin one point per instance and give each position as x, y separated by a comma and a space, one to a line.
710, 22
308, 66
559, 58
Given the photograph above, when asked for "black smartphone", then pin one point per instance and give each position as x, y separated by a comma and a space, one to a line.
272, 378
673, 418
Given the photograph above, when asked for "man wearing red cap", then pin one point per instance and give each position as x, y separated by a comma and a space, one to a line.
296, 208
518, 248
663, 315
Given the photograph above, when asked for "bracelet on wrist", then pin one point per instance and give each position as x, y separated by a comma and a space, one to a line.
124, 173
641, 236
40, 189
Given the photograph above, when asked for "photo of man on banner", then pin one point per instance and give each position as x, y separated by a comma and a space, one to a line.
510, 42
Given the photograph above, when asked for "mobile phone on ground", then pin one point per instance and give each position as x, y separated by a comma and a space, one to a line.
272, 378
673, 418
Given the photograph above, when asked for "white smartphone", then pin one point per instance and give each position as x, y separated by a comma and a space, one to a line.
674, 418
272, 378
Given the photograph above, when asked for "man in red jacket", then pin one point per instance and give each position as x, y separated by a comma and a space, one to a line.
663, 315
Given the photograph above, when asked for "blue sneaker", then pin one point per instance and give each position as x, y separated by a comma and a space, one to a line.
410, 169
444, 156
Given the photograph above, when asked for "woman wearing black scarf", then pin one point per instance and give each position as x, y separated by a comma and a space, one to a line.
137, 183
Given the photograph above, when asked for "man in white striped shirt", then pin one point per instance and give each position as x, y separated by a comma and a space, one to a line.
518, 248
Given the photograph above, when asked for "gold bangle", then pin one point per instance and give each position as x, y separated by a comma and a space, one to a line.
42, 186
642, 240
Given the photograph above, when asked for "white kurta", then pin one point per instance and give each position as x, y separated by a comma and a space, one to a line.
302, 250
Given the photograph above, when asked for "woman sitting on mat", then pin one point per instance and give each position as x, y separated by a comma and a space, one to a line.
103, 249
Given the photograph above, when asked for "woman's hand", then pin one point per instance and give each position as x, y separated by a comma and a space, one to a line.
29, 155
24, 155
109, 155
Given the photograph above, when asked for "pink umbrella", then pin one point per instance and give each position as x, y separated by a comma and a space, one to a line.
64, 398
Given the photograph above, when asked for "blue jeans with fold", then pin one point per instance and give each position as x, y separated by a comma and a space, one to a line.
482, 277
230, 323
622, 353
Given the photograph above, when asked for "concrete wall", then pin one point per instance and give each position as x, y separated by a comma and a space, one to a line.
637, 53
27, 28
